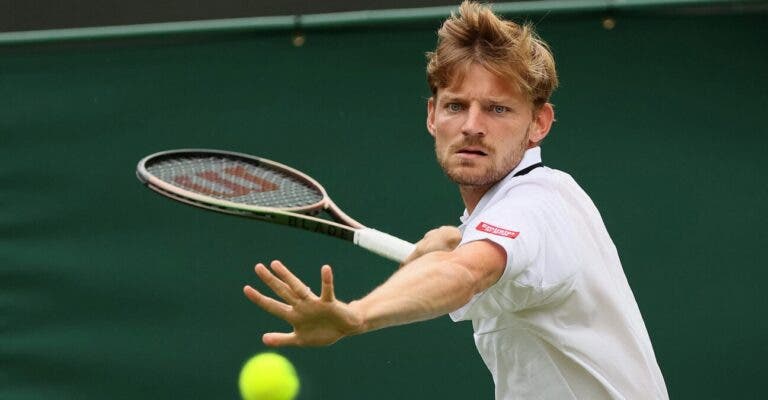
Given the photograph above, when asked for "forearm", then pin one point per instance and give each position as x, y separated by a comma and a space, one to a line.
429, 287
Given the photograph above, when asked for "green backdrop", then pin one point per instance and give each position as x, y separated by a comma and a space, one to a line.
110, 291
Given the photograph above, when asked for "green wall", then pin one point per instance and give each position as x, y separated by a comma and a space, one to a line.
110, 291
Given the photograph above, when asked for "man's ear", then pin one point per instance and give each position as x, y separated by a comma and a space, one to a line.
542, 123
431, 116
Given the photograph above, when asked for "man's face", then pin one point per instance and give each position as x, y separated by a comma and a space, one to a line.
482, 126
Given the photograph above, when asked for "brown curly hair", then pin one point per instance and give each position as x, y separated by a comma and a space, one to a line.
512, 51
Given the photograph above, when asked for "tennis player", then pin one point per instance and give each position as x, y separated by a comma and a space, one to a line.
531, 265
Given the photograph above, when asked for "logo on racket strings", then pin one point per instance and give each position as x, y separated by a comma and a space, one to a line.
495, 230
235, 189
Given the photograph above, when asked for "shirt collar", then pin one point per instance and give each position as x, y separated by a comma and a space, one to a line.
530, 157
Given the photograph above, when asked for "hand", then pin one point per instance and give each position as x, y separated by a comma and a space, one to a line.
444, 238
316, 321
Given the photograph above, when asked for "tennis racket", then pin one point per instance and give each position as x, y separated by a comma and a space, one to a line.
253, 187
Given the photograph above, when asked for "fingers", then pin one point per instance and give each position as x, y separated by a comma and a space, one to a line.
276, 284
300, 290
269, 304
326, 277
453, 236
275, 339
445, 238
290, 288
449, 236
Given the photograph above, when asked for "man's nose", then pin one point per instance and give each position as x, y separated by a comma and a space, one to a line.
474, 122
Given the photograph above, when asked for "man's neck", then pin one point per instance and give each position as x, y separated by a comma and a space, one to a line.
471, 195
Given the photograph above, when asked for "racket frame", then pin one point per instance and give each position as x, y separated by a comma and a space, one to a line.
344, 227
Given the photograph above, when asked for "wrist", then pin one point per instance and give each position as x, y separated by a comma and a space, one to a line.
361, 322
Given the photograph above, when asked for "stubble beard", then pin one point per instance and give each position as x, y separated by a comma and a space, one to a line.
492, 174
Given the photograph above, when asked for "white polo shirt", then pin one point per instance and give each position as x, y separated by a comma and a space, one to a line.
561, 323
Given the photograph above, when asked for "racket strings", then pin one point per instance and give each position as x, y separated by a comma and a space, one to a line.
237, 181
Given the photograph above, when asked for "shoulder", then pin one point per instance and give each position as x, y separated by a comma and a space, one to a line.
542, 181
542, 190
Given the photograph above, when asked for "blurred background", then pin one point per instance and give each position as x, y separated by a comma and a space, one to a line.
110, 291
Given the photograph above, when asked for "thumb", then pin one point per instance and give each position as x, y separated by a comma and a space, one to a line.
275, 339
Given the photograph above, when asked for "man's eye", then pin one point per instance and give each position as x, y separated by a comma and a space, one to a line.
499, 109
454, 107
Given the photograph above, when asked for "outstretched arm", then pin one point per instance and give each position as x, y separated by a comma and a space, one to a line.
430, 286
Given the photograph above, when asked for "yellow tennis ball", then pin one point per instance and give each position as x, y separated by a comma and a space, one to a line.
268, 376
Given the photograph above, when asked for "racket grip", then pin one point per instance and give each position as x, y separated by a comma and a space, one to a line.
383, 244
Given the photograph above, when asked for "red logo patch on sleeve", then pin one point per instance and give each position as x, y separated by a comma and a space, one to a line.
495, 230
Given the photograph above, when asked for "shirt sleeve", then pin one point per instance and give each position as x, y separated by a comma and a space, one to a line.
513, 226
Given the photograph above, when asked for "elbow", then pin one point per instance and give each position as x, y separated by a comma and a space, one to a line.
469, 275
461, 280
468, 284
478, 265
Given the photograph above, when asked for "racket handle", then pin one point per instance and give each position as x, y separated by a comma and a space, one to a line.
383, 244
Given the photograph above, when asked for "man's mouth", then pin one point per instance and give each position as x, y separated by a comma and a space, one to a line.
471, 152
